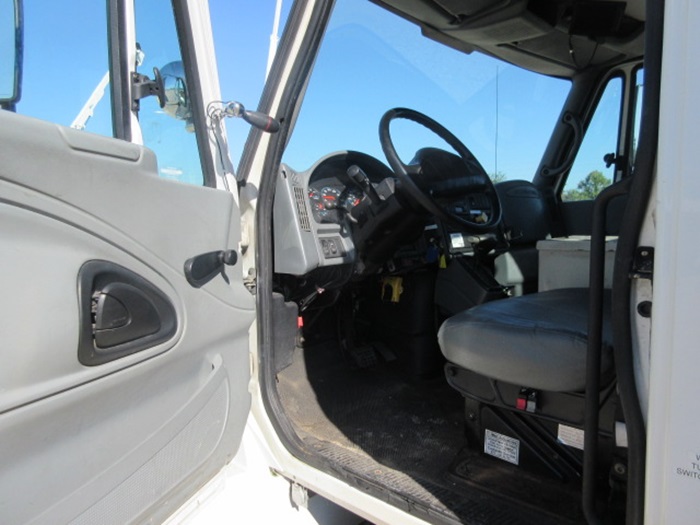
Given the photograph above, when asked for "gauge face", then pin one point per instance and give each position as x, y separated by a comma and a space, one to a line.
324, 203
317, 207
314, 195
352, 199
329, 197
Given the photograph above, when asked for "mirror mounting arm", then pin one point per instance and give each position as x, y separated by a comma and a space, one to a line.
142, 87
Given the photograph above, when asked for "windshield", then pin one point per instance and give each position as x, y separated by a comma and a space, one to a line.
372, 60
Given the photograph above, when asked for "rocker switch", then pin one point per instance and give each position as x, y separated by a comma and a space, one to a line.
527, 400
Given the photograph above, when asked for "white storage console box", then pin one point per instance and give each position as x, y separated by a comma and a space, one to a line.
564, 262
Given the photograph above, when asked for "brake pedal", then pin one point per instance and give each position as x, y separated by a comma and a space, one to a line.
364, 356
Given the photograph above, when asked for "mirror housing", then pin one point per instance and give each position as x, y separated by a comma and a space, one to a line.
11, 46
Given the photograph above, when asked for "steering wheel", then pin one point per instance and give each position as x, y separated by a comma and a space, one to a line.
477, 180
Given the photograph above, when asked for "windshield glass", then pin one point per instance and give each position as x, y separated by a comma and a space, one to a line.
371, 61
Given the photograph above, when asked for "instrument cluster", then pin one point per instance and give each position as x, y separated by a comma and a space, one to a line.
331, 202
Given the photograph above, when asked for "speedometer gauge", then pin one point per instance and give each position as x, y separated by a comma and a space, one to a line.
329, 197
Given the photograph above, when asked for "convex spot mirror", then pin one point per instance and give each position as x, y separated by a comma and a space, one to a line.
177, 101
11, 47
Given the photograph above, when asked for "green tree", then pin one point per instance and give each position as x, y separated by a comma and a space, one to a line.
588, 188
497, 177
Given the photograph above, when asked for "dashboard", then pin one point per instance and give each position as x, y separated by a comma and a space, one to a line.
347, 215
313, 212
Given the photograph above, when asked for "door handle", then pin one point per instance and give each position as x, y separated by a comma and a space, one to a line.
121, 313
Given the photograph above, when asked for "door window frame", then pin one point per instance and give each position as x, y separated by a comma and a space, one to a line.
627, 73
122, 47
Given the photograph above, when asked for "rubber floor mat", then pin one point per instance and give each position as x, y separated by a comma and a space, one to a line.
377, 428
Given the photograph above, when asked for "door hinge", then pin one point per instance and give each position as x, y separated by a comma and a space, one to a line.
643, 263
250, 281
298, 495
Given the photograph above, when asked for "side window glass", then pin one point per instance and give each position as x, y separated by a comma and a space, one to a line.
66, 65
589, 174
169, 131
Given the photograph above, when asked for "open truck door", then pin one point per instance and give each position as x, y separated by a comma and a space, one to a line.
124, 318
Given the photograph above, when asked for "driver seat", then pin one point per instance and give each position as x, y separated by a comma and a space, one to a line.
520, 364
538, 341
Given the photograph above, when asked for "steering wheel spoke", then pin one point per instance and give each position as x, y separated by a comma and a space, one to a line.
414, 170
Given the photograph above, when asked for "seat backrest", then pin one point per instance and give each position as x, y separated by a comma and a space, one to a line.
526, 220
525, 213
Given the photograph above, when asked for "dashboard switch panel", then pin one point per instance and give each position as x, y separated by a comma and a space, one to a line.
332, 247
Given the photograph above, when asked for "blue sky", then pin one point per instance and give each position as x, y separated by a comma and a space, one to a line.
475, 100
66, 56
349, 105
242, 31
387, 63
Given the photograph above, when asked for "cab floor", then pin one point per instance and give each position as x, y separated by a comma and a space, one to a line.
381, 429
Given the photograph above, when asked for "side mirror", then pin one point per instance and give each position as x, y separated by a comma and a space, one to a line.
177, 100
11, 49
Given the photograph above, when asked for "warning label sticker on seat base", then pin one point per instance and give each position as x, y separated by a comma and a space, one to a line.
502, 447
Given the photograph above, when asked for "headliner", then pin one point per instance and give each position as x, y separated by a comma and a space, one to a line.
553, 37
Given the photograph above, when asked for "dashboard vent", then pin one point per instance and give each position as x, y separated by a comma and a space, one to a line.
302, 211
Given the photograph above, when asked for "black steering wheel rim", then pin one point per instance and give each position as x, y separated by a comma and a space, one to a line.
424, 199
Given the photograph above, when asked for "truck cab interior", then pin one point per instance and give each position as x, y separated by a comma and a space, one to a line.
453, 184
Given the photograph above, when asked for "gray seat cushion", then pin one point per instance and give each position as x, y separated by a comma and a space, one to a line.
537, 341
